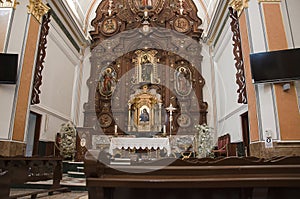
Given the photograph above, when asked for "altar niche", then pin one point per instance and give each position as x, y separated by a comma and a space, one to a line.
144, 111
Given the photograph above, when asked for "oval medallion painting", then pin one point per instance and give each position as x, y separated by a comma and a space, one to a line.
107, 81
183, 78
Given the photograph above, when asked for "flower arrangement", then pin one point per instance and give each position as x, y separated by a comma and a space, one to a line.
204, 141
68, 140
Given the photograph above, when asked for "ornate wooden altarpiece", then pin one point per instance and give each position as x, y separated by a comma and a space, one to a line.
145, 55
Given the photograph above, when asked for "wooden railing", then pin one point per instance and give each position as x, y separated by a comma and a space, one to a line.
213, 177
19, 170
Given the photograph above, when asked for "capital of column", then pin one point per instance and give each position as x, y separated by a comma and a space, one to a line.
259, 1
239, 5
37, 8
8, 4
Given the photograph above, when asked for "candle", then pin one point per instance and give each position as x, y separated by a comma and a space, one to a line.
116, 128
164, 129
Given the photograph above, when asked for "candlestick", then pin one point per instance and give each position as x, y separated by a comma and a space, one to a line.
164, 130
116, 130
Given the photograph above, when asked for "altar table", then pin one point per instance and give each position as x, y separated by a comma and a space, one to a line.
140, 143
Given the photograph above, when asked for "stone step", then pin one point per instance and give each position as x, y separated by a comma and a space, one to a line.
71, 166
76, 174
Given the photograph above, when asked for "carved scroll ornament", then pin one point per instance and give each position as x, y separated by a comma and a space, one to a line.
37, 81
238, 57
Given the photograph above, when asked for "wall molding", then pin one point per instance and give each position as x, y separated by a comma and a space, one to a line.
46, 110
63, 43
243, 107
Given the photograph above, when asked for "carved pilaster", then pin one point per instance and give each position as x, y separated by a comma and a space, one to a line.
37, 82
38, 9
239, 5
8, 4
238, 56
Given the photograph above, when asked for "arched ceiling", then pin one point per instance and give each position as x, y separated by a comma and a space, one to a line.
84, 11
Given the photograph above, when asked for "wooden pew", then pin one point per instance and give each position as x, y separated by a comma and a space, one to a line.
239, 177
19, 170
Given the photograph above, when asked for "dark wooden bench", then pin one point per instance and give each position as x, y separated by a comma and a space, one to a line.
19, 170
241, 176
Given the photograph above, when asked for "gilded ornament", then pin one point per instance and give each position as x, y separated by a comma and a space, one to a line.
269, 1
37, 8
239, 5
9, 4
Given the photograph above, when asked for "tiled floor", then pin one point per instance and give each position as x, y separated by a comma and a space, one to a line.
67, 195
66, 181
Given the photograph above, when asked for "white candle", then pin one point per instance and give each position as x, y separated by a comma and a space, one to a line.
116, 128
164, 129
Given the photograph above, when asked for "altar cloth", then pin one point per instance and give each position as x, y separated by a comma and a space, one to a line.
140, 143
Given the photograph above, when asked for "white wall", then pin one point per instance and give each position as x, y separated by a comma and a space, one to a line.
291, 10
7, 92
84, 90
228, 110
208, 89
58, 83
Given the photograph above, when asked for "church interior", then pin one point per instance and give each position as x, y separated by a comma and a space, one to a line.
144, 98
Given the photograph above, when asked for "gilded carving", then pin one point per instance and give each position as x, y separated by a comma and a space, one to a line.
269, 1
37, 8
8, 4
239, 5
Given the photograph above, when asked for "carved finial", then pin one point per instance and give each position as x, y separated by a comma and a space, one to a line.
37, 8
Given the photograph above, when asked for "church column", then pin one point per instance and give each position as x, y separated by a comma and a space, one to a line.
36, 10
269, 107
240, 6
286, 102
7, 16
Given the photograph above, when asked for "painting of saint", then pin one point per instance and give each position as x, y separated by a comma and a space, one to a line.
182, 84
144, 115
107, 81
146, 68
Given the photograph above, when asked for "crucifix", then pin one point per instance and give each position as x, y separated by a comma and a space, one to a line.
171, 109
